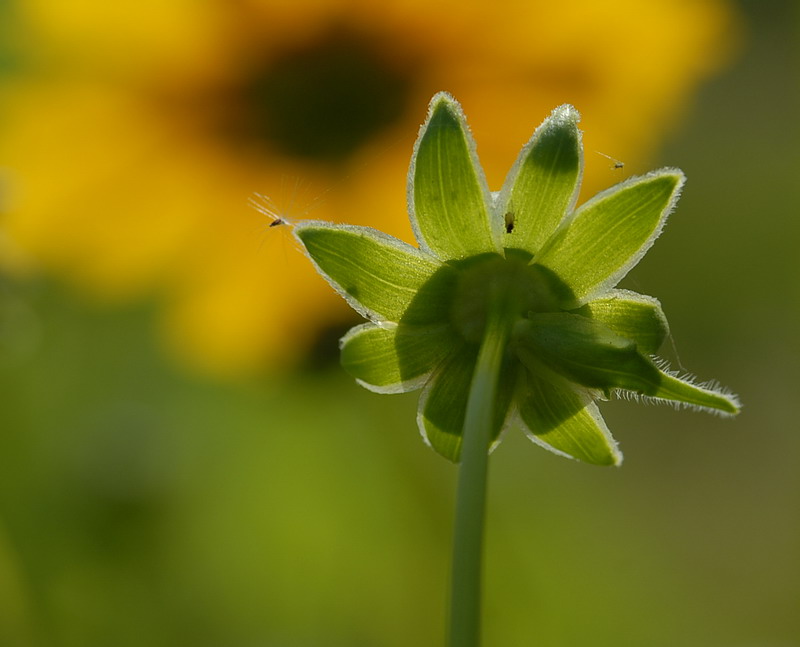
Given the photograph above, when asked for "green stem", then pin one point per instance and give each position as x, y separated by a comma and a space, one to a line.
465, 594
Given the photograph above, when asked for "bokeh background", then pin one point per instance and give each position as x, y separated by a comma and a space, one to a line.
181, 460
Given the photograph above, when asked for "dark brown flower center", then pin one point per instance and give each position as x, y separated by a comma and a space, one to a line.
323, 100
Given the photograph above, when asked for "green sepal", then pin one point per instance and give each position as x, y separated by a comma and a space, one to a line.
578, 348
543, 184
392, 358
596, 247
443, 403
379, 276
448, 198
709, 396
590, 354
635, 316
565, 421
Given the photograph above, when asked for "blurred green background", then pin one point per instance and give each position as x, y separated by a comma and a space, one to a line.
141, 504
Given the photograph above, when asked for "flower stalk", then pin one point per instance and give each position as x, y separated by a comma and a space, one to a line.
465, 594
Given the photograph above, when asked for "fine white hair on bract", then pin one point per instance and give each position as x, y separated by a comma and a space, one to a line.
712, 386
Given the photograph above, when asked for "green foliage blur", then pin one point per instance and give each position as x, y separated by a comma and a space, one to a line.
142, 506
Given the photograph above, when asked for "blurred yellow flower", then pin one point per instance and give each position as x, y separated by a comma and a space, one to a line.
138, 131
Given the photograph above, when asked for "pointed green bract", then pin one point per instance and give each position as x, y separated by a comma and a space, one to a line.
590, 354
565, 422
635, 316
609, 234
448, 197
543, 183
395, 359
581, 350
673, 389
379, 276
443, 403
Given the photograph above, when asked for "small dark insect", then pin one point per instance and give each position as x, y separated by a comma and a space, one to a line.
266, 206
509, 217
617, 163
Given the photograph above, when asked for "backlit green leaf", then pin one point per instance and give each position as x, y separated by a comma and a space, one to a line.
443, 403
565, 422
591, 355
684, 391
608, 235
544, 181
635, 316
448, 196
378, 275
395, 359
